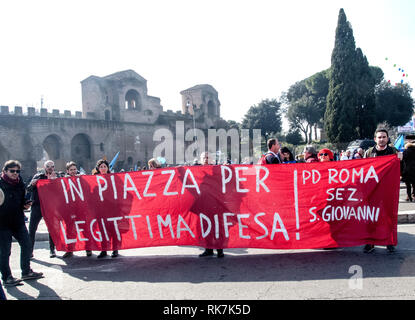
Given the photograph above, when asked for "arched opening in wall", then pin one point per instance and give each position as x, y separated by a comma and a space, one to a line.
211, 108
52, 147
81, 151
132, 100
107, 115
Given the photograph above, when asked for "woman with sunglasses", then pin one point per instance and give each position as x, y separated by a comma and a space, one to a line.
325, 155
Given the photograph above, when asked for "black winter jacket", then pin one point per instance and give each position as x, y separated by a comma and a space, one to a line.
33, 189
408, 164
11, 211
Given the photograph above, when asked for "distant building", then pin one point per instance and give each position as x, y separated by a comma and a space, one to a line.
117, 115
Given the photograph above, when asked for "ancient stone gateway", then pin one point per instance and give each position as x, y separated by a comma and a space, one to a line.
117, 116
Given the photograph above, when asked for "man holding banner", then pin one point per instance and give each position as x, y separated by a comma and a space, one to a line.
301, 206
36, 213
380, 149
205, 160
12, 224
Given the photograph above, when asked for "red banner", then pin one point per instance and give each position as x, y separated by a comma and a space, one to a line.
287, 206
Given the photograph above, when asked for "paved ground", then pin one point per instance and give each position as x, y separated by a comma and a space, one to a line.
177, 273
406, 215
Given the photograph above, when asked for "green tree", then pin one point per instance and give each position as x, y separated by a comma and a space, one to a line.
340, 121
294, 137
351, 104
394, 104
265, 116
232, 124
301, 115
365, 104
306, 102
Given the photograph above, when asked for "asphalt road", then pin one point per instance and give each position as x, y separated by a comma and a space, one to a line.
177, 273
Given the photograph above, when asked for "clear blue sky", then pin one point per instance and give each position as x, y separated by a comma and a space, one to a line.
248, 50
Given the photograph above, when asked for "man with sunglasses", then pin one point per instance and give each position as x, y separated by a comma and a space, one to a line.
36, 213
12, 224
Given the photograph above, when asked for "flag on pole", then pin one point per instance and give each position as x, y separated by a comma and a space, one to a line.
113, 160
399, 143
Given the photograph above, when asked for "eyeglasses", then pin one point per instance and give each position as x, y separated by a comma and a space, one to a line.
323, 154
14, 171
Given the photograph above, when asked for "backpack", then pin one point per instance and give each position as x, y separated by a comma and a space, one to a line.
263, 159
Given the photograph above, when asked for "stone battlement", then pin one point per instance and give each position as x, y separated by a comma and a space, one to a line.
43, 112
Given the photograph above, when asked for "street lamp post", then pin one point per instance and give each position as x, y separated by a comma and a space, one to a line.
194, 124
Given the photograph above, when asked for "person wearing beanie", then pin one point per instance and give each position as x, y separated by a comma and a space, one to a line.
325, 155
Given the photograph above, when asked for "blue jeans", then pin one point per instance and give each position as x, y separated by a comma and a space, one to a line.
22, 237
35, 217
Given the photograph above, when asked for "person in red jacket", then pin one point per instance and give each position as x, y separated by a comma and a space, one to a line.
310, 154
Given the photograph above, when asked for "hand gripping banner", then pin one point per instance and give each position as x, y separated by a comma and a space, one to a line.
286, 206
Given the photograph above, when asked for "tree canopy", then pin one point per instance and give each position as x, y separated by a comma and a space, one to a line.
265, 116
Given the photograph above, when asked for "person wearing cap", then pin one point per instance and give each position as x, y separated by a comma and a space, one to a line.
12, 224
310, 154
325, 155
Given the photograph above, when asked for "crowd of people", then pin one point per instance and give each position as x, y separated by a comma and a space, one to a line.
13, 196
278, 155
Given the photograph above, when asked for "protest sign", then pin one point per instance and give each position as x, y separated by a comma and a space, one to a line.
287, 206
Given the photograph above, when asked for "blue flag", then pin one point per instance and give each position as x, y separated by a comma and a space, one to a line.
113, 160
399, 143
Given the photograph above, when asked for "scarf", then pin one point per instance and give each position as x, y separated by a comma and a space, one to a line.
12, 182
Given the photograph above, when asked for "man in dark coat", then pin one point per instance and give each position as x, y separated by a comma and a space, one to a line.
36, 213
380, 149
12, 224
408, 169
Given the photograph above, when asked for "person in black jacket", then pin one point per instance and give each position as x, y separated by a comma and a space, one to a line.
12, 224
36, 213
381, 148
205, 159
408, 169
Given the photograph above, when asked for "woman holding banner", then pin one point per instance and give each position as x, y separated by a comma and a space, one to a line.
72, 171
102, 167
